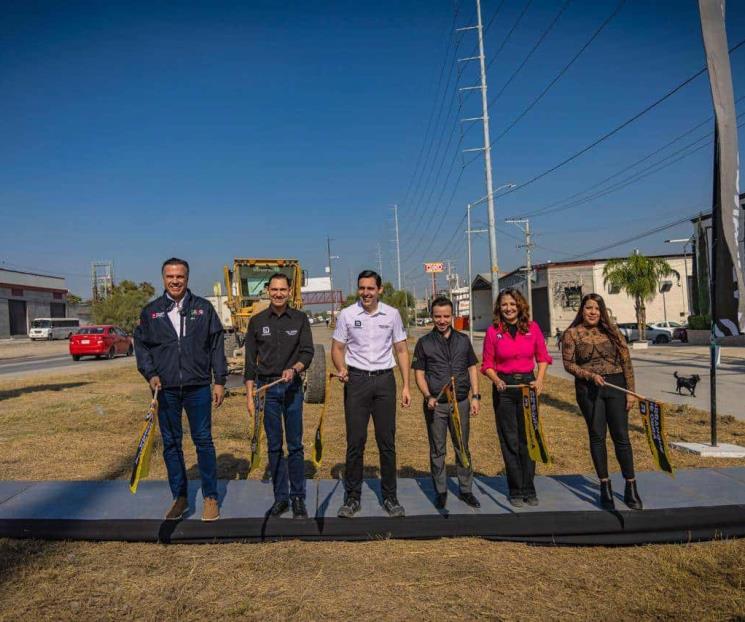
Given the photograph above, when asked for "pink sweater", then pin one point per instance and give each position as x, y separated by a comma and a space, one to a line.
506, 355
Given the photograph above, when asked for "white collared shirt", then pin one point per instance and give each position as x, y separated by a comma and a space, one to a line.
369, 337
175, 315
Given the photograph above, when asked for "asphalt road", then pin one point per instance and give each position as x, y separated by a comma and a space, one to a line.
19, 366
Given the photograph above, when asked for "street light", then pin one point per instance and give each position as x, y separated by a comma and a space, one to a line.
469, 231
686, 293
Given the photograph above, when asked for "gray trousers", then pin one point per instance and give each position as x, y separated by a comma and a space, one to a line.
438, 424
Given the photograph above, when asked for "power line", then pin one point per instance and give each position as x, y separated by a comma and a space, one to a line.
634, 238
561, 73
653, 169
532, 51
616, 129
509, 34
434, 103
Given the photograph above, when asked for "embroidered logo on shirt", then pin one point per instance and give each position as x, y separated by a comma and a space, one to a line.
384, 325
358, 323
291, 332
266, 330
197, 312
158, 314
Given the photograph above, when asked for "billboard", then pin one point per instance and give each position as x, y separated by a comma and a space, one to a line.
437, 266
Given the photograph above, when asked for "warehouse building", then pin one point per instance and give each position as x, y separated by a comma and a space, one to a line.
25, 296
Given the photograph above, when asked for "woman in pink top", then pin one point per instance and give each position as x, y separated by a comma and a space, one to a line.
512, 347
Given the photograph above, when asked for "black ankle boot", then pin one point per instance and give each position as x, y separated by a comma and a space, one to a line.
606, 496
631, 496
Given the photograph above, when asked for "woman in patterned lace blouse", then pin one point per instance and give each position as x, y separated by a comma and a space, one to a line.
594, 352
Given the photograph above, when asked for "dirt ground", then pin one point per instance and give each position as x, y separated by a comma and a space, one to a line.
11, 348
84, 426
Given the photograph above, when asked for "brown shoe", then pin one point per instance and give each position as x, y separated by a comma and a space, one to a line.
178, 509
211, 510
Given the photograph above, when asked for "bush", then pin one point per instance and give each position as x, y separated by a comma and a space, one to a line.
699, 322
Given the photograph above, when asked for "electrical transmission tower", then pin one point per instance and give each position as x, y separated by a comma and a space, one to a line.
102, 279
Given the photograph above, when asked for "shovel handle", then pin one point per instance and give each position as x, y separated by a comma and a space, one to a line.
617, 388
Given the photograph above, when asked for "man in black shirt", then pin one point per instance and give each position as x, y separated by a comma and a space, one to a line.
279, 345
438, 356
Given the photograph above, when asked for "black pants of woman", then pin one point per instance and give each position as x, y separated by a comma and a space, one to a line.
508, 411
605, 409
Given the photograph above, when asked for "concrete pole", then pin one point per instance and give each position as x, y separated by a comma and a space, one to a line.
470, 273
493, 264
398, 246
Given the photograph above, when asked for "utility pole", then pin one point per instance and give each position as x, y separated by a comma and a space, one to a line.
380, 261
470, 231
494, 265
331, 275
528, 246
398, 246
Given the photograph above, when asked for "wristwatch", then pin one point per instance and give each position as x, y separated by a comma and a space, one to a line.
427, 398
476, 396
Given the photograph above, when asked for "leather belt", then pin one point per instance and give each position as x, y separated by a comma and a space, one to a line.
364, 372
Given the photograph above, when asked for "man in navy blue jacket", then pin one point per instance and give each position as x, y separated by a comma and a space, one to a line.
179, 348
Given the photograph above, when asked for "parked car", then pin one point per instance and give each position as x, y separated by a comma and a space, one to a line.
657, 335
98, 341
677, 330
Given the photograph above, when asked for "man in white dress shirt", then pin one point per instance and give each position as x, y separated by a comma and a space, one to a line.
362, 350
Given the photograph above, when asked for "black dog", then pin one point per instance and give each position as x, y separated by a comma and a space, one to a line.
687, 382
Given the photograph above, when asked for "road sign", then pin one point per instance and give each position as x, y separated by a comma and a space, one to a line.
434, 267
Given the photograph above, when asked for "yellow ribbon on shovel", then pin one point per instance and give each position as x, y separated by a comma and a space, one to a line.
449, 391
141, 467
653, 418
259, 398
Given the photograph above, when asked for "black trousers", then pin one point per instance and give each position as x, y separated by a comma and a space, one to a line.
508, 410
604, 408
366, 396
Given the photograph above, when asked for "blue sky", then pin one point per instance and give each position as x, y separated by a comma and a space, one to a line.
135, 131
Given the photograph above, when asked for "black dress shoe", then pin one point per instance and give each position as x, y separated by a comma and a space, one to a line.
394, 508
349, 509
298, 508
441, 500
531, 500
279, 508
606, 495
631, 496
469, 499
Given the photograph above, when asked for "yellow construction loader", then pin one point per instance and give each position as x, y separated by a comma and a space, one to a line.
246, 289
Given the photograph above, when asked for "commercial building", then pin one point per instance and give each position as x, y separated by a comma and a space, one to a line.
25, 296
557, 289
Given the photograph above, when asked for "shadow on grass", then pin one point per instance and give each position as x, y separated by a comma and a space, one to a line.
61, 386
562, 405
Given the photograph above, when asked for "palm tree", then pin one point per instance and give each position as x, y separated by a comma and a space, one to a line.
639, 277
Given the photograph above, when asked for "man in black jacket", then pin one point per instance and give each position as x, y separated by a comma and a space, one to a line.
179, 348
279, 345
439, 356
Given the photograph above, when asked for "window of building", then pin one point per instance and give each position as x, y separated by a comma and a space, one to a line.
572, 297
16, 291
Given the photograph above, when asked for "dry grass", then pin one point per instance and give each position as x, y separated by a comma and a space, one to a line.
392, 580
84, 427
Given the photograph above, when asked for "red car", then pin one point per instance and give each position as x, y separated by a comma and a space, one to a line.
98, 341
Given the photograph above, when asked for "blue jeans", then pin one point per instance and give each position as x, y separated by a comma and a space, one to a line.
284, 402
197, 401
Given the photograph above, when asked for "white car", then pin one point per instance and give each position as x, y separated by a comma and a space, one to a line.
654, 334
